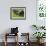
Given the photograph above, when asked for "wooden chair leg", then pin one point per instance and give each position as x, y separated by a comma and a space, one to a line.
17, 39
5, 39
5, 43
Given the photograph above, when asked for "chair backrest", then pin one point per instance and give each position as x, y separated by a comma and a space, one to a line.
14, 30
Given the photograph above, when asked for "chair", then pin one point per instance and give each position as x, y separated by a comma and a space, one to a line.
14, 32
25, 43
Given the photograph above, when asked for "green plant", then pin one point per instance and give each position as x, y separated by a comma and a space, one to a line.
39, 35
40, 27
35, 27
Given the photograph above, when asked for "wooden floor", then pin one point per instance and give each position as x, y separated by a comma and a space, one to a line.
13, 44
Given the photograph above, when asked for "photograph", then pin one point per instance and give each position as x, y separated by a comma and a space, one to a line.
18, 13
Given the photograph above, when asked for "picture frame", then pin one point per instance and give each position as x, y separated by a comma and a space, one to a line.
18, 13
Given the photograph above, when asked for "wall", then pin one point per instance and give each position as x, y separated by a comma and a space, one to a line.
24, 25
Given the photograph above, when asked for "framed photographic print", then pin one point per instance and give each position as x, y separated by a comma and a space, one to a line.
18, 13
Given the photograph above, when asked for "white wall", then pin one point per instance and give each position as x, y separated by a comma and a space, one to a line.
24, 25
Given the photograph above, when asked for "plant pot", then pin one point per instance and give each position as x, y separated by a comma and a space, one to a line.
40, 41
